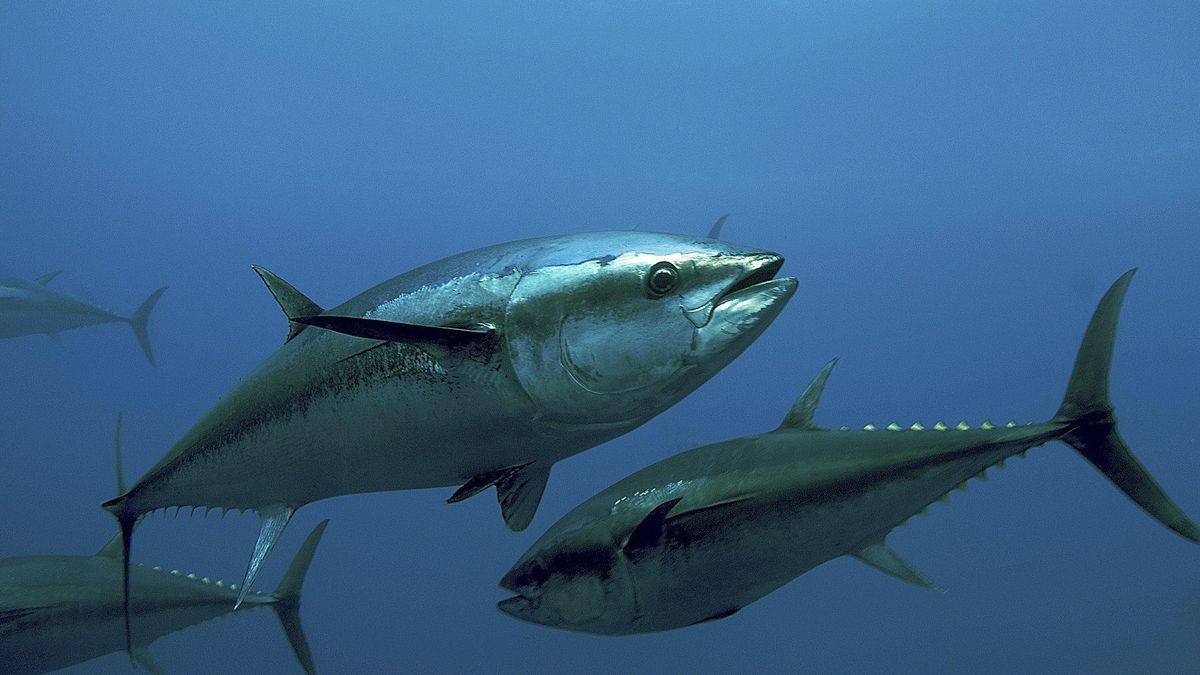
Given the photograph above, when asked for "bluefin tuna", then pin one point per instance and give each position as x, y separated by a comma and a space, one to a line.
33, 308
57, 611
480, 370
702, 534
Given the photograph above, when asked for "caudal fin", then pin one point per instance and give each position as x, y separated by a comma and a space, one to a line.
138, 323
1093, 423
287, 605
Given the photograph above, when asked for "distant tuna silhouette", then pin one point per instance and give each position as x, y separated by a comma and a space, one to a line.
32, 308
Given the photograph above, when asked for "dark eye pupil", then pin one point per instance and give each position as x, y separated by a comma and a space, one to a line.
662, 278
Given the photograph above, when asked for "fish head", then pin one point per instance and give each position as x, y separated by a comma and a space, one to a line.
579, 583
618, 327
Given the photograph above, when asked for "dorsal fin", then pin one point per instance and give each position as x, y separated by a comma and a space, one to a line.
714, 232
120, 468
291, 301
48, 277
113, 549
801, 414
520, 493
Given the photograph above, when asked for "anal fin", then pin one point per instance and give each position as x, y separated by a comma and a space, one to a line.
274, 520
884, 559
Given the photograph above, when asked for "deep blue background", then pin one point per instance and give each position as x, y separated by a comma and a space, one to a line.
954, 184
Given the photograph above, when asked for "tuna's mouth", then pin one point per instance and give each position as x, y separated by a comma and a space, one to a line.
761, 274
758, 281
519, 607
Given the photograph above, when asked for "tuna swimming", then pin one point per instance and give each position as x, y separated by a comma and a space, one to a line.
480, 370
702, 534
56, 611
33, 308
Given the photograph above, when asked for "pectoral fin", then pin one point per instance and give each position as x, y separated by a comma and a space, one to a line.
887, 561
396, 331
648, 533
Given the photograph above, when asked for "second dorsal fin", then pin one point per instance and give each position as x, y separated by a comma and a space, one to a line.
801, 414
291, 301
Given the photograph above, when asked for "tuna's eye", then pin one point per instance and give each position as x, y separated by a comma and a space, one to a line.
661, 279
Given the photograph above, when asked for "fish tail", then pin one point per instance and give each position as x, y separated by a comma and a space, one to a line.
138, 323
287, 594
1091, 423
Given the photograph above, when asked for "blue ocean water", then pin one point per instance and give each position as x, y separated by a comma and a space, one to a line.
954, 184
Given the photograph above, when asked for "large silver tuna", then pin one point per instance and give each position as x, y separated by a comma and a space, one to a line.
32, 308
700, 535
479, 370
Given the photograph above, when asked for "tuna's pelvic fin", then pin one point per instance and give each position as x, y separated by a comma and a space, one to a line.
291, 301
520, 493
886, 560
287, 603
714, 232
801, 414
1092, 424
518, 490
482, 482
395, 331
274, 520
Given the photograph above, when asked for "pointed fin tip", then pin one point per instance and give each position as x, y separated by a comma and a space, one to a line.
520, 493
48, 277
714, 232
649, 531
801, 414
274, 521
290, 300
880, 556
119, 465
397, 331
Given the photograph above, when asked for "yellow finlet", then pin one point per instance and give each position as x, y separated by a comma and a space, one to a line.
963, 426
869, 427
940, 426
987, 424
1010, 424
916, 426
893, 427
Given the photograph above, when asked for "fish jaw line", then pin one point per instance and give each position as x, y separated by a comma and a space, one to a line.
758, 270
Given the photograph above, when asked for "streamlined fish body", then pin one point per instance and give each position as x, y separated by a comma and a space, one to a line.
57, 611
700, 535
32, 308
480, 370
